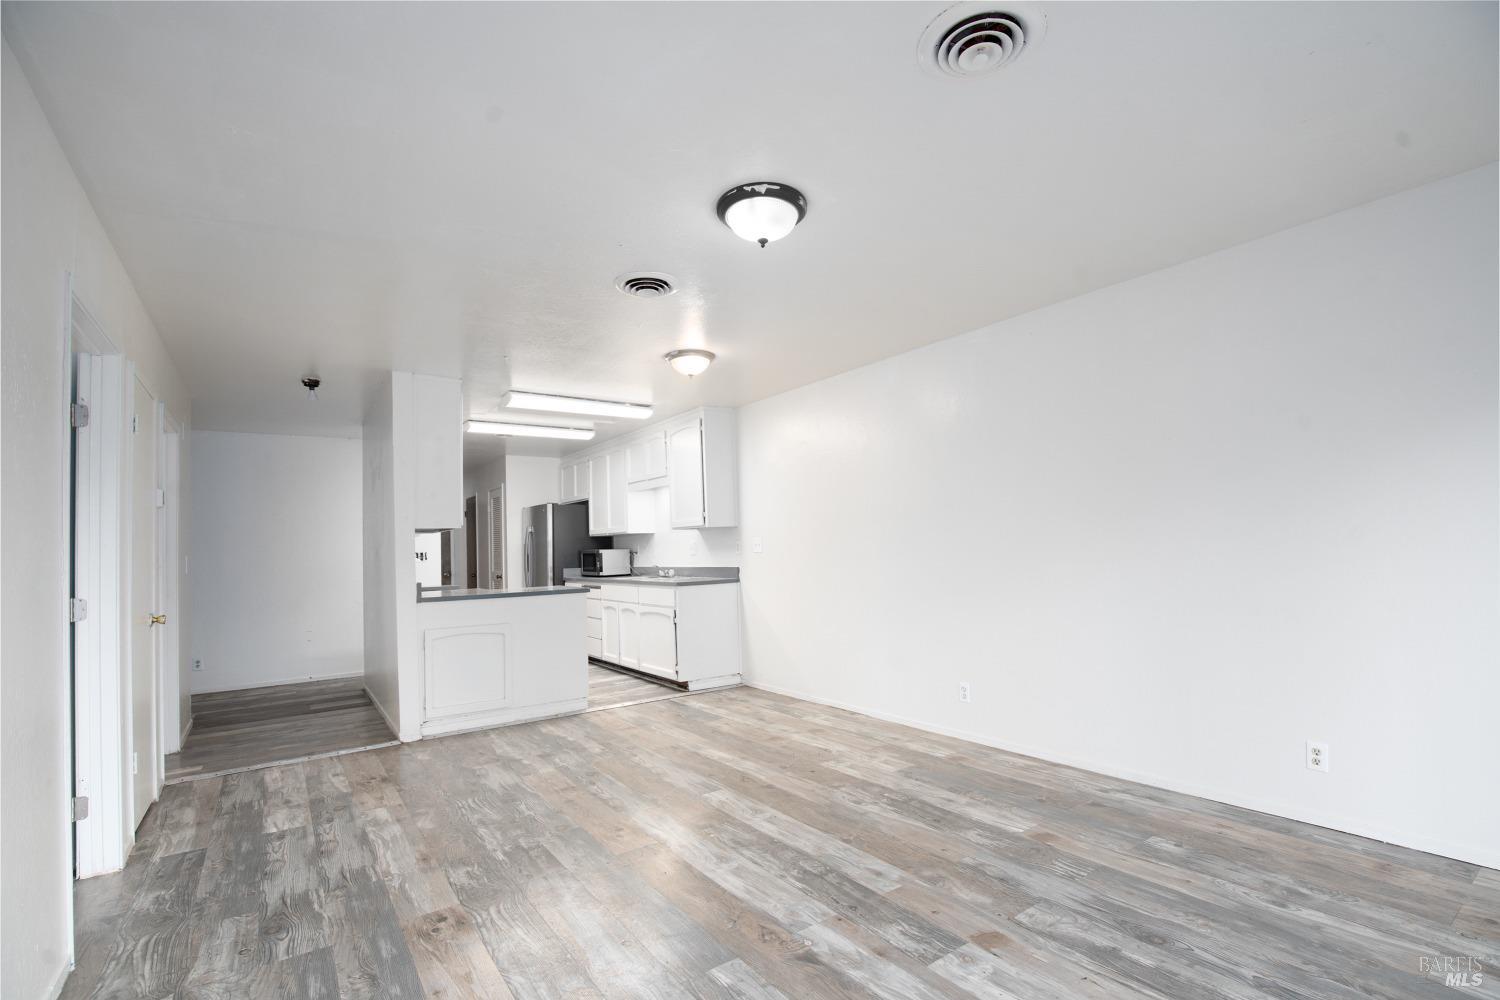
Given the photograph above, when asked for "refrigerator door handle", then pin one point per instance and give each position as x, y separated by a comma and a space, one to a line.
526, 562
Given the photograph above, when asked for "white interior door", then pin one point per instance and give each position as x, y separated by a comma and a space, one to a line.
143, 763
172, 706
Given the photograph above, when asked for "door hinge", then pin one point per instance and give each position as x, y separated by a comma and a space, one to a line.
135, 423
78, 414
80, 808
161, 498
78, 609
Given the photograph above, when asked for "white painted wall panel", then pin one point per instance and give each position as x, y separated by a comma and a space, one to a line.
50, 229
1175, 528
278, 556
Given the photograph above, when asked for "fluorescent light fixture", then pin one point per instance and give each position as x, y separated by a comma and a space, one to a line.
517, 400
527, 430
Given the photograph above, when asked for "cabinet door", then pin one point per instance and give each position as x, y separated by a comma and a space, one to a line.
599, 496
685, 467
610, 641
646, 458
619, 497
656, 648
630, 637
568, 490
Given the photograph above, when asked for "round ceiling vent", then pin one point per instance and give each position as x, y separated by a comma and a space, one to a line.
646, 284
976, 39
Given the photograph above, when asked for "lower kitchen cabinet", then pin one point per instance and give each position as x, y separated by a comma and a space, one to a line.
690, 635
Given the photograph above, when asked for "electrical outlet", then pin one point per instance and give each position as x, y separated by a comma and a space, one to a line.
1317, 756
964, 694
756, 546
197, 664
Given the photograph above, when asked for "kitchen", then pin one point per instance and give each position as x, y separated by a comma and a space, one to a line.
593, 520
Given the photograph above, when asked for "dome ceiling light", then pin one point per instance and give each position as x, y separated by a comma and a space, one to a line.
690, 362
762, 212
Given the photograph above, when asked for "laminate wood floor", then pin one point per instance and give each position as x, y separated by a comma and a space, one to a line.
235, 730
739, 844
613, 689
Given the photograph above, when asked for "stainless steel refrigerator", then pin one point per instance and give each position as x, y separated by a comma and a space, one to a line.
552, 536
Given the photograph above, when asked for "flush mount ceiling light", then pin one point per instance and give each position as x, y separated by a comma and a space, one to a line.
690, 362
976, 39
762, 212
546, 402
527, 430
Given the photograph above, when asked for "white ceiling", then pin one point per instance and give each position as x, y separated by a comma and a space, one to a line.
346, 188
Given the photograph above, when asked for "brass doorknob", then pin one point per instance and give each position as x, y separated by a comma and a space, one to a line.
158, 619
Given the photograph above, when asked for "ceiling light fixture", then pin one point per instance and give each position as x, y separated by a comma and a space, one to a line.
763, 211
690, 362
527, 430
548, 403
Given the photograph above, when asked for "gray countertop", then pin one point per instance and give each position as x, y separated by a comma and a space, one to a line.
686, 579
480, 593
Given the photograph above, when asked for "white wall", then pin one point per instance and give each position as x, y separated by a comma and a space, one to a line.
681, 546
50, 229
278, 557
387, 566
529, 480
1173, 529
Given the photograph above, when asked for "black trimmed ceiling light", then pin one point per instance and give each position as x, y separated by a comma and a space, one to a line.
690, 361
762, 212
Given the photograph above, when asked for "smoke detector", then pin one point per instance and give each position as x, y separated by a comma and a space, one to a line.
976, 39
646, 284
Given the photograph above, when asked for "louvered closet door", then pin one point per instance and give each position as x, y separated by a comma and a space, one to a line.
497, 537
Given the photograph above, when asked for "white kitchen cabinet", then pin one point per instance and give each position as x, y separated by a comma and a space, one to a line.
702, 480
646, 461
656, 642
630, 635
690, 635
609, 622
609, 497
574, 481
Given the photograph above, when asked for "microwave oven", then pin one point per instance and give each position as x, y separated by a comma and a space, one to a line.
604, 562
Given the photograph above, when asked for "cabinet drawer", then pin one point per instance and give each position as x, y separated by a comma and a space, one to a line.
657, 597
595, 647
618, 594
595, 607
594, 629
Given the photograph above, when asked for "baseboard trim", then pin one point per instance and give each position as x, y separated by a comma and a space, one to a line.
1487, 857
304, 679
60, 981
390, 723
185, 730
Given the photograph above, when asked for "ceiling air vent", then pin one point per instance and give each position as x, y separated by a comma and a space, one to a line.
977, 39
646, 284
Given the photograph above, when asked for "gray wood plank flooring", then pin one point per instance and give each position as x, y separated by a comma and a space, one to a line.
614, 689
256, 727
738, 844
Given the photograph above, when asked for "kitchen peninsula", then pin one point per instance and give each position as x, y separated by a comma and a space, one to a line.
496, 657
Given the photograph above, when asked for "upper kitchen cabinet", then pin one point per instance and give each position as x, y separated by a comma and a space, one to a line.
438, 422
574, 484
692, 456
702, 470
646, 461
